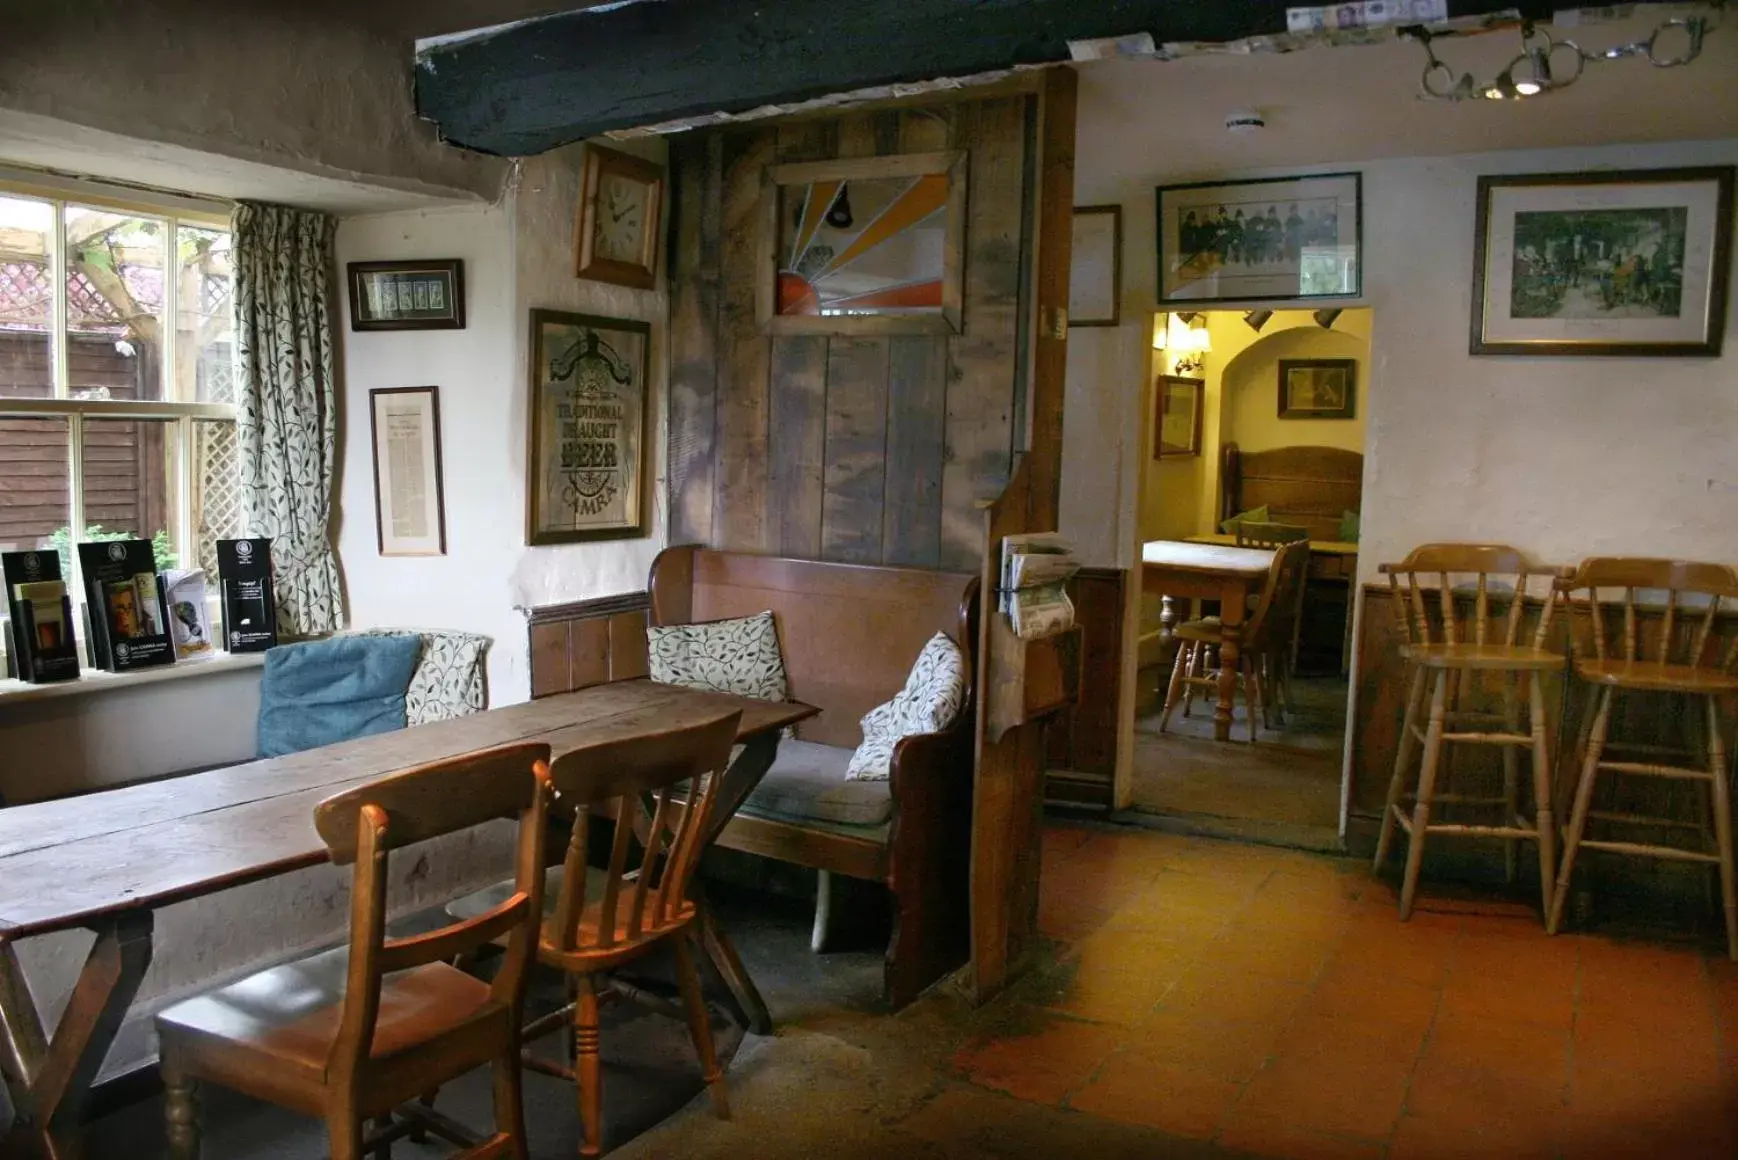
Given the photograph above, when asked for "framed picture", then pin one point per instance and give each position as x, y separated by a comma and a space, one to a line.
1318, 388
1095, 282
1247, 241
864, 246
410, 514
621, 203
588, 478
1177, 416
410, 295
1619, 263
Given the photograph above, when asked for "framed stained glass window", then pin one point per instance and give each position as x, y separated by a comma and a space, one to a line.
863, 246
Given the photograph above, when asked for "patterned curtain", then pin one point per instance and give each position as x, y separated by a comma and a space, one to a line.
286, 421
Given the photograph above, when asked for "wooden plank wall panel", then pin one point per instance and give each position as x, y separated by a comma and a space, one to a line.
916, 444
856, 450
697, 168
770, 449
981, 360
744, 353
592, 642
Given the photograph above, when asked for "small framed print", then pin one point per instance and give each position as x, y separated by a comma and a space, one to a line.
1095, 286
410, 514
409, 295
588, 473
1177, 417
1318, 388
1630, 262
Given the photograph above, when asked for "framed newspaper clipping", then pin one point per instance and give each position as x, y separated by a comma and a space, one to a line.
410, 515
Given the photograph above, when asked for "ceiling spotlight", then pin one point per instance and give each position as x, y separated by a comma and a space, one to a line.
1257, 319
1327, 317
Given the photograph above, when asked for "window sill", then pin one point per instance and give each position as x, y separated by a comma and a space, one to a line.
100, 681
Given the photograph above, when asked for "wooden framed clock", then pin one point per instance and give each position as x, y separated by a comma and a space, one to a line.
621, 202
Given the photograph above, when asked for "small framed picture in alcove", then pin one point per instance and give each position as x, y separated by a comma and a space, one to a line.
1177, 417
863, 246
1318, 388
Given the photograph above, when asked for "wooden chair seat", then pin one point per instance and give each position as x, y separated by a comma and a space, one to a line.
1206, 630
1657, 677
286, 1020
1489, 657
627, 942
486, 899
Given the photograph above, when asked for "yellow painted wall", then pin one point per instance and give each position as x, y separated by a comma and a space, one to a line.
1242, 406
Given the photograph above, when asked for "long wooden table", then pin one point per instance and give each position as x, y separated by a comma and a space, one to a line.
1210, 572
106, 861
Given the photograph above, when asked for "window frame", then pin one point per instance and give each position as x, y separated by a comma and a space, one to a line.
174, 211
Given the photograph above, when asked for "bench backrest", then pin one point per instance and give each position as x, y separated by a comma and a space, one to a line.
849, 632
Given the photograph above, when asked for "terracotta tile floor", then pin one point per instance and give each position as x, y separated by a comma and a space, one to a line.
1271, 1003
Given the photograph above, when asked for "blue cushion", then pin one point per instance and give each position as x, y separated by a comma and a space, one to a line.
323, 691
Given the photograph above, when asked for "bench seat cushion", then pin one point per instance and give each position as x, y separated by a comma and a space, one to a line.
807, 783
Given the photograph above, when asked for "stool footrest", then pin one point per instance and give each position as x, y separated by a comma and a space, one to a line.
1640, 820
1520, 739
1669, 853
1645, 769
1467, 830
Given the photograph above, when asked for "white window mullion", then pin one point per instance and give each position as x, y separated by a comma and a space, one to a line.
171, 307
186, 539
75, 503
57, 268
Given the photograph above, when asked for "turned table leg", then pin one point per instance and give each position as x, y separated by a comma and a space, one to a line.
48, 1079
1231, 612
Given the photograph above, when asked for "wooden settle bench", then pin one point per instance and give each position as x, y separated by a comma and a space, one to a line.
850, 634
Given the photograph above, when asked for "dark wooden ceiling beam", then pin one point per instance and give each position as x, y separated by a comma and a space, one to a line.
539, 85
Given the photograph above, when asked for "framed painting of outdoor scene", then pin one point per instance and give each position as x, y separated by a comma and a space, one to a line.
867, 246
1318, 388
1620, 263
587, 469
1178, 415
1246, 241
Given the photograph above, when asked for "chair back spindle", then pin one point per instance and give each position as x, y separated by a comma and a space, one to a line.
1276, 610
365, 825
1269, 536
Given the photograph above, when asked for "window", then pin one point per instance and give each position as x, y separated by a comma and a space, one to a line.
117, 391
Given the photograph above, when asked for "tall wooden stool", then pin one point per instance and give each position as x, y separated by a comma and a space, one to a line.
1678, 660
352, 1038
1448, 649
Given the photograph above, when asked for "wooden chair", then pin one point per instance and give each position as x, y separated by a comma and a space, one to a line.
352, 1038
1678, 661
598, 920
1448, 651
1282, 658
1270, 619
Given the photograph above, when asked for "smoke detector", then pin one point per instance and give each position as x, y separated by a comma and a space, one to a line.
1244, 121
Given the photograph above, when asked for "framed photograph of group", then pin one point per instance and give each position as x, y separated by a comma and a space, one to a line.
1631, 262
587, 466
1248, 241
407, 295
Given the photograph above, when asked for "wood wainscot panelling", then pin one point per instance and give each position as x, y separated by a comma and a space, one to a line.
1646, 719
589, 642
1082, 740
861, 449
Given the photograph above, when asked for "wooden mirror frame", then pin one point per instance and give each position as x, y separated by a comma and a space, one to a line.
863, 169
1164, 384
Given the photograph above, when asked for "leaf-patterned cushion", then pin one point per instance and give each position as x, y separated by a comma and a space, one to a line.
934, 694
448, 680
738, 656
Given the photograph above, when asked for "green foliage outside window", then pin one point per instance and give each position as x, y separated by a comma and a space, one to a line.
61, 541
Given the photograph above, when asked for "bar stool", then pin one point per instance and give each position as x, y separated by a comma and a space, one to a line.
1660, 663
1447, 651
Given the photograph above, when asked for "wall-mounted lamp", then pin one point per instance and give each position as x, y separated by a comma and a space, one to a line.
1257, 319
1185, 343
1326, 318
1546, 64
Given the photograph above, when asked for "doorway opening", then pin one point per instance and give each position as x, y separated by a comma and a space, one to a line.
1256, 414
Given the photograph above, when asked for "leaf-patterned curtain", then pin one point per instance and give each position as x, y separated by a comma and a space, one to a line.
286, 420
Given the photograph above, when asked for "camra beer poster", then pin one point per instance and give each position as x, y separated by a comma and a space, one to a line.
588, 431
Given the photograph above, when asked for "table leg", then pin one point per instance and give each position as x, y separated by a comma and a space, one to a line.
740, 780
1231, 613
47, 1079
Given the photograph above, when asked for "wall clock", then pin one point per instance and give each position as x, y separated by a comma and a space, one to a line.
621, 201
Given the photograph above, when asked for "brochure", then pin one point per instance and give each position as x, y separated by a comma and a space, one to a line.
244, 571
129, 623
